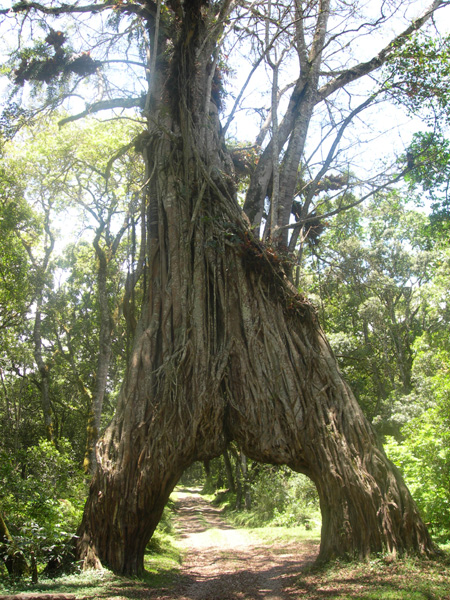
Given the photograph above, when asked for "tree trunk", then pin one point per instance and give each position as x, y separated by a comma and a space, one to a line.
14, 560
247, 493
208, 486
229, 472
227, 350
239, 486
44, 374
103, 358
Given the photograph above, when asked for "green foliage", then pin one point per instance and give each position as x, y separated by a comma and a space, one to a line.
377, 579
369, 277
194, 475
285, 498
275, 495
382, 283
423, 454
424, 459
42, 494
418, 75
428, 158
56, 185
270, 495
48, 64
16, 289
279, 497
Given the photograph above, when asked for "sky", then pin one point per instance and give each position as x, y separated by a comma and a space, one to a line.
375, 138
382, 131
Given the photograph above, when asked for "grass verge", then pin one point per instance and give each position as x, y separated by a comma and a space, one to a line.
162, 571
162, 568
377, 579
288, 535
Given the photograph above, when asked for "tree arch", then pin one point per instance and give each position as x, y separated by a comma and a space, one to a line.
226, 349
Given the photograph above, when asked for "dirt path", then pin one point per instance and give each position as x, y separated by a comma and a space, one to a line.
223, 563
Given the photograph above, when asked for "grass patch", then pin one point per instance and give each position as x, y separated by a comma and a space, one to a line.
271, 529
162, 569
87, 584
162, 572
287, 535
296, 514
208, 497
378, 579
162, 561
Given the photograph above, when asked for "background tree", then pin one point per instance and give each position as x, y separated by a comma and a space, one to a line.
421, 92
370, 272
52, 307
422, 451
59, 177
16, 289
380, 278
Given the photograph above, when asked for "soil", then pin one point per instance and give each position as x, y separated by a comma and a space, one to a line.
224, 563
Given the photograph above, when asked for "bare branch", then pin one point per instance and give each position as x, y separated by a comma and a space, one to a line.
326, 165
342, 208
124, 61
105, 105
335, 144
149, 9
377, 61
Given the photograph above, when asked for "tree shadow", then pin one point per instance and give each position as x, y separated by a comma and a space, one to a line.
198, 518
243, 584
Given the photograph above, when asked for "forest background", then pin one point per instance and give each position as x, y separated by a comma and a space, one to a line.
72, 272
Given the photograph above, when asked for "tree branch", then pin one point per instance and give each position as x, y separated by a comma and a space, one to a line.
145, 11
24, 6
339, 209
116, 156
325, 167
377, 61
261, 178
105, 105
334, 145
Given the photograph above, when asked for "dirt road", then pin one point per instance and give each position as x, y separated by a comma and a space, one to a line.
223, 563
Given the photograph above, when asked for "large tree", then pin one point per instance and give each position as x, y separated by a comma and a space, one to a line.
225, 348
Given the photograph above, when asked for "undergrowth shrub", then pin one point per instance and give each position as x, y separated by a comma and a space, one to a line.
279, 497
164, 532
424, 460
302, 505
282, 497
42, 493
